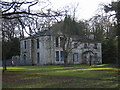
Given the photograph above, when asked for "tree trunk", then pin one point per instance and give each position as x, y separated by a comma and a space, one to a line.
65, 58
118, 31
118, 52
90, 60
4, 65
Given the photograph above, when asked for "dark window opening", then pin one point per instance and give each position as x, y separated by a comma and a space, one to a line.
95, 46
75, 45
37, 43
61, 41
84, 59
25, 44
57, 55
57, 41
85, 45
38, 57
24, 57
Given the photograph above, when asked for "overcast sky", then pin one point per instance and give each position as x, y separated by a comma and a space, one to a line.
86, 8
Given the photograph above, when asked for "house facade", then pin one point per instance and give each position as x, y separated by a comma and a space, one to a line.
45, 48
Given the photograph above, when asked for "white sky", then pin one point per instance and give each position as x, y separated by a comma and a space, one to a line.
86, 8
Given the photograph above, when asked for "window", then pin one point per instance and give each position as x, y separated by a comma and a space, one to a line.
62, 55
38, 57
85, 45
25, 44
75, 45
95, 46
57, 41
24, 57
57, 55
37, 43
84, 59
75, 57
95, 55
61, 41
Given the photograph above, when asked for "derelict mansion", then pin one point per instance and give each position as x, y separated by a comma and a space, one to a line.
44, 48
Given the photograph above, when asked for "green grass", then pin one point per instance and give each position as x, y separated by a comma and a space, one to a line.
58, 76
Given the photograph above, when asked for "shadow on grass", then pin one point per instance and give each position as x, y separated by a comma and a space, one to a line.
74, 76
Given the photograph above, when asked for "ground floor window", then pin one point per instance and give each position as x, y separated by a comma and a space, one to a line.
38, 57
57, 55
75, 57
95, 56
62, 56
84, 59
24, 57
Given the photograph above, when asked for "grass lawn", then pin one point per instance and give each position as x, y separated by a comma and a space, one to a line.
58, 76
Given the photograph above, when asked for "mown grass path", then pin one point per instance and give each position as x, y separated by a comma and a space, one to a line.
58, 76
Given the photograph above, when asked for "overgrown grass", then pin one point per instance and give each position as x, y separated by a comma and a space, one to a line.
58, 76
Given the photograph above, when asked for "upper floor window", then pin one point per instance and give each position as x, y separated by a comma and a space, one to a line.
95, 46
25, 44
85, 45
37, 43
95, 55
61, 41
57, 41
75, 45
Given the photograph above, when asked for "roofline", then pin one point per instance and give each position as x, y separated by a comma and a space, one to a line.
30, 37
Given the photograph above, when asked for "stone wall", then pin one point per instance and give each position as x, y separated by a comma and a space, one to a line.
47, 50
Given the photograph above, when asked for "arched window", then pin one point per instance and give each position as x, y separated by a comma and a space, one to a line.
24, 57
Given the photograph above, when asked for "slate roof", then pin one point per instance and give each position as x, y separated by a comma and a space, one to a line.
44, 33
49, 33
75, 37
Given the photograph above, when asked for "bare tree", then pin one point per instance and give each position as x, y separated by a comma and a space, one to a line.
66, 30
19, 17
23, 14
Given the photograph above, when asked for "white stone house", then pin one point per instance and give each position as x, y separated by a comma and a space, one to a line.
44, 48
